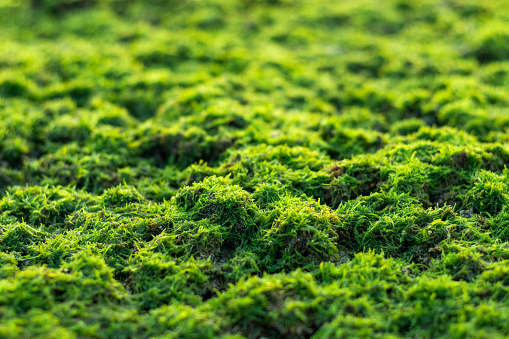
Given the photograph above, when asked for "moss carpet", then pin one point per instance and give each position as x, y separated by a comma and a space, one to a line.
254, 168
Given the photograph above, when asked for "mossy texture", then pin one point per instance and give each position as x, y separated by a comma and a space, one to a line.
254, 169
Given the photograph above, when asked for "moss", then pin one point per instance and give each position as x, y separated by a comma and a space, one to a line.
9, 267
187, 283
488, 196
443, 290
301, 232
15, 150
19, 238
272, 307
491, 42
38, 325
407, 126
254, 169
496, 274
399, 226
499, 225
96, 278
121, 195
12, 85
56, 7
354, 327
344, 143
42, 205
67, 129
169, 146
350, 179
465, 265
93, 172
177, 321
222, 203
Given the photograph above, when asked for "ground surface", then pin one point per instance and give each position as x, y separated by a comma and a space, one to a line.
270, 168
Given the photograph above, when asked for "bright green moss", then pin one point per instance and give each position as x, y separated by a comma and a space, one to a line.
180, 321
489, 194
121, 196
350, 179
171, 146
499, 225
96, 278
490, 43
496, 274
38, 325
301, 232
272, 306
93, 172
275, 168
12, 85
222, 203
188, 282
19, 238
9, 267
42, 205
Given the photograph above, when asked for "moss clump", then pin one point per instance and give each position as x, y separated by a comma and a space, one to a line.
490, 43
302, 232
89, 280
9, 267
19, 238
222, 203
42, 205
121, 196
272, 306
189, 285
499, 225
488, 196
352, 179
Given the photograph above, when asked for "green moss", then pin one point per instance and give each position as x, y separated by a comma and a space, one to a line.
171, 146
278, 169
42, 205
38, 325
350, 179
180, 321
188, 282
221, 203
490, 43
19, 238
301, 232
272, 306
499, 225
488, 196
9, 267
121, 196
12, 85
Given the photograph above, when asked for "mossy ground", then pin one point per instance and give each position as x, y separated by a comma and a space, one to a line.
254, 168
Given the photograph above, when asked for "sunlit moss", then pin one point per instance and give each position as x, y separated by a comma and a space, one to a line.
254, 168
